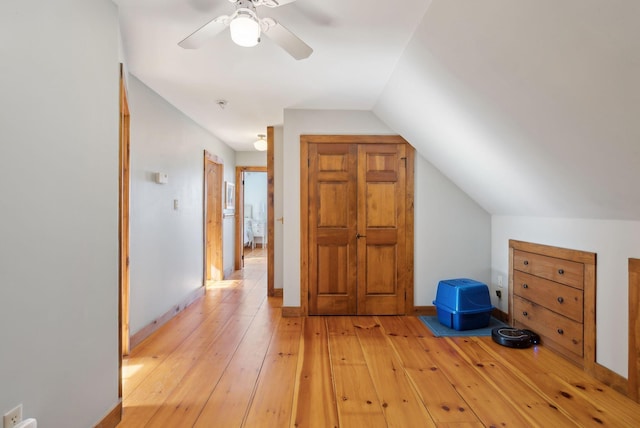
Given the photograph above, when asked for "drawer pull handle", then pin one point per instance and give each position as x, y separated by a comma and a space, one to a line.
525, 285
561, 271
560, 300
525, 313
560, 331
526, 262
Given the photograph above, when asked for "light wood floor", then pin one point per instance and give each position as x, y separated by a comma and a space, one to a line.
231, 360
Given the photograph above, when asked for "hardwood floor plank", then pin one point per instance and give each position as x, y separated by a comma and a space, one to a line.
271, 405
142, 403
356, 398
482, 398
315, 398
145, 357
400, 403
441, 399
227, 405
535, 405
587, 400
184, 404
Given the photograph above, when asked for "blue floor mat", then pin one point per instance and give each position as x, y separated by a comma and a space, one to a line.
439, 330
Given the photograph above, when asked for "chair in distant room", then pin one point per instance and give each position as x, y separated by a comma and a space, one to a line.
248, 227
259, 233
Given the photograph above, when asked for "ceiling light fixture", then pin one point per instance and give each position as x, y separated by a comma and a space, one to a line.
261, 143
245, 28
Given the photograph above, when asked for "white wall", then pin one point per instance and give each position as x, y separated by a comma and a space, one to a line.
166, 254
614, 242
59, 228
452, 232
254, 158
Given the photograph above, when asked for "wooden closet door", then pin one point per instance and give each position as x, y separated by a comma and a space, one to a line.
381, 229
332, 229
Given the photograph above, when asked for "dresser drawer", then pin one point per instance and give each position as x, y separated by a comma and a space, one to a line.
558, 270
559, 298
561, 330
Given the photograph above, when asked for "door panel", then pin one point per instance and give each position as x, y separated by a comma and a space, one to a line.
381, 205
332, 229
334, 204
381, 269
213, 218
381, 221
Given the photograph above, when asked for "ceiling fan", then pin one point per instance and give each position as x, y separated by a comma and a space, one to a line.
245, 28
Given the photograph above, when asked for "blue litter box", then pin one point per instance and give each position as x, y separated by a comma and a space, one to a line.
463, 304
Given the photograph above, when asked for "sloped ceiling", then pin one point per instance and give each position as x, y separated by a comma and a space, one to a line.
530, 107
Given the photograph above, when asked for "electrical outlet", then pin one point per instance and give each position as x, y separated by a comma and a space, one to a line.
13, 417
499, 281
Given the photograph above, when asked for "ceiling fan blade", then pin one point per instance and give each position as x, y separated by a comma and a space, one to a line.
276, 3
205, 33
288, 41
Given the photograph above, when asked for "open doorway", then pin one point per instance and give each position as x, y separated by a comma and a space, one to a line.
240, 216
252, 219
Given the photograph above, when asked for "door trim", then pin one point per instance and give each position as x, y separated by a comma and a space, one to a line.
305, 140
218, 262
240, 170
271, 290
123, 227
634, 332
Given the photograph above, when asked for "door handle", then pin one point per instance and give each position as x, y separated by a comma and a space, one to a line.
280, 219
358, 236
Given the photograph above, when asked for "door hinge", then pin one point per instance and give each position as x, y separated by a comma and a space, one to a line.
405, 161
308, 162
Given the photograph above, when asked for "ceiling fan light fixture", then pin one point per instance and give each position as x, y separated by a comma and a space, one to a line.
245, 28
261, 143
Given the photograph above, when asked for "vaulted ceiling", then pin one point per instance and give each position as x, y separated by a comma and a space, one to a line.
531, 107
356, 45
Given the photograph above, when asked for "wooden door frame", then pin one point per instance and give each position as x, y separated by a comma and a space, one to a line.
634, 331
218, 262
305, 140
123, 224
240, 170
271, 290
124, 164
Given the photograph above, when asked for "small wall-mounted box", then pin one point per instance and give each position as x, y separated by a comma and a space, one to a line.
161, 177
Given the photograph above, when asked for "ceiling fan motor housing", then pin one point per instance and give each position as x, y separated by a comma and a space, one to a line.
245, 25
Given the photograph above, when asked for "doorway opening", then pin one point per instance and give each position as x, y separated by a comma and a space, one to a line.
252, 239
268, 219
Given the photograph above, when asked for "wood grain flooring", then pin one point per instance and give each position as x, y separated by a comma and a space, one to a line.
231, 360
